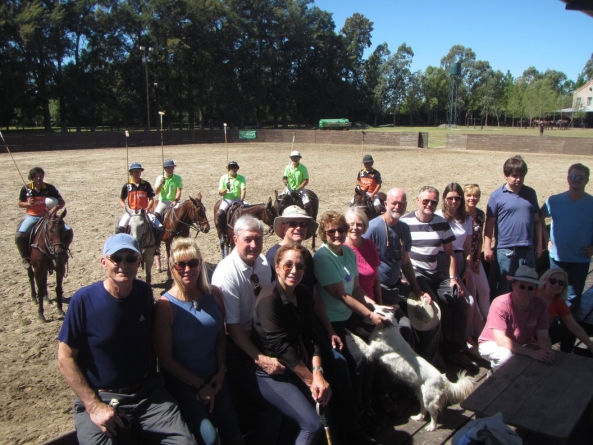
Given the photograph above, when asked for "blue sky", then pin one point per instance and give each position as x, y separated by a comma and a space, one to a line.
511, 35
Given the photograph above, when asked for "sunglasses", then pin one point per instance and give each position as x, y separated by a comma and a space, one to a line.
181, 265
432, 202
524, 286
116, 258
256, 286
453, 198
295, 224
289, 265
561, 283
577, 177
340, 230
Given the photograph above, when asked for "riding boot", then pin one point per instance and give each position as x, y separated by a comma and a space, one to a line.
22, 243
221, 221
158, 216
158, 237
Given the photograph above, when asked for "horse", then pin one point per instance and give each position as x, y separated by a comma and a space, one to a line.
361, 199
264, 212
141, 229
179, 220
289, 199
50, 242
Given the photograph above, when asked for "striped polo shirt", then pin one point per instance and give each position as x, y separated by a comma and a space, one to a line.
427, 238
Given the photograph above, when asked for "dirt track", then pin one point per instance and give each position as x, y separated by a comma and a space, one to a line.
36, 403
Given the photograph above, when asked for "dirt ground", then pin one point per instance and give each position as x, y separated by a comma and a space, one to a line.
35, 402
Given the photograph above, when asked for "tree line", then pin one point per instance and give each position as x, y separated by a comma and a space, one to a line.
91, 63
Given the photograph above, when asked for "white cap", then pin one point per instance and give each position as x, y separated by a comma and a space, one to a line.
295, 153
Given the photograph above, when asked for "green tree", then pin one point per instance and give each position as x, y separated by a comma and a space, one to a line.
396, 71
435, 89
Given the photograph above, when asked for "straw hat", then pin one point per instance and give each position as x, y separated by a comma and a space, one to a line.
423, 316
527, 274
291, 213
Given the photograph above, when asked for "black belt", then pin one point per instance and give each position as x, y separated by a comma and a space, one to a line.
518, 248
129, 390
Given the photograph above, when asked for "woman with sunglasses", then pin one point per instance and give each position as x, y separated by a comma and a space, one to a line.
283, 328
189, 340
563, 327
453, 210
345, 303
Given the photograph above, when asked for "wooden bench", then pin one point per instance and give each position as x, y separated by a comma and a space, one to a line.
539, 398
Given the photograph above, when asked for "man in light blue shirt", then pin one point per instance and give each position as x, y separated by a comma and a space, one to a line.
571, 232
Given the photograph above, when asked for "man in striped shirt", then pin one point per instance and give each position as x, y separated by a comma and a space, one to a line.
429, 233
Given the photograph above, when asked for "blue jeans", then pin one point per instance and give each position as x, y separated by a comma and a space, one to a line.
288, 393
508, 261
577, 275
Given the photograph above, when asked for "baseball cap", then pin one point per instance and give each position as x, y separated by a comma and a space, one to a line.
120, 241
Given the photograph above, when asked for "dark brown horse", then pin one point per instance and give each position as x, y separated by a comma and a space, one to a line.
264, 212
49, 252
293, 199
179, 221
361, 199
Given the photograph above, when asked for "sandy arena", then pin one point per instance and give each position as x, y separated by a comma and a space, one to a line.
36, 402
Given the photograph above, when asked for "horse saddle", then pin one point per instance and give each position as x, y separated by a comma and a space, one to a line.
230, 213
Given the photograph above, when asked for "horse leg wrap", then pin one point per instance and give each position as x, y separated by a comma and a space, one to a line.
22, 243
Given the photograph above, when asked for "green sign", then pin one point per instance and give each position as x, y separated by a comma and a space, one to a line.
247, 134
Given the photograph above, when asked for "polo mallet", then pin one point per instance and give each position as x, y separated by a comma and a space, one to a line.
17, 167
161, 113
324, 422
362, 151
293, 136
227, 151
127, 155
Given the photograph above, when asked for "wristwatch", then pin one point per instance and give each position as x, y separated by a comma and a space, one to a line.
317, 368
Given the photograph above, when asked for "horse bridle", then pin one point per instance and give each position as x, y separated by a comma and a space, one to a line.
50, 247
195, 223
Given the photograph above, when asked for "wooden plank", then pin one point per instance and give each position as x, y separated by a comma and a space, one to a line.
522, 387
570, 407
495, 385
541, 405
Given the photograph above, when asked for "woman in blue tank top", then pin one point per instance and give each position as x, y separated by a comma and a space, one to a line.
189, 341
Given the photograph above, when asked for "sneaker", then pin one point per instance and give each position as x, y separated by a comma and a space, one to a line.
388, 407
461, 360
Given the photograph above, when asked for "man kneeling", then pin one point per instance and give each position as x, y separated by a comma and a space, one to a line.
105, 354
513, 320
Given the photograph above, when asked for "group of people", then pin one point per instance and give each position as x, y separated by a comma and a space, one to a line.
276, 329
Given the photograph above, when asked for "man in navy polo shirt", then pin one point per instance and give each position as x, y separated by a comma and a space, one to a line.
105, 353
512, 216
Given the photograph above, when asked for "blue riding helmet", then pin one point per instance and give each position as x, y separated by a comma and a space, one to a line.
135, 166
169, 163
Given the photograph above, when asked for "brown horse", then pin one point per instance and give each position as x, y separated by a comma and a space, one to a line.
361, 199
49, 252
293, 199
264, 212
178, 221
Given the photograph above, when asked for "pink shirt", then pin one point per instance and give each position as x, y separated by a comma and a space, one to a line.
368, 261
516, 324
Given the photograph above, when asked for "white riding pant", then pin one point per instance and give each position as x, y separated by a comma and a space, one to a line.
496, 355
226, 203
303, 194
162, 205
125, 220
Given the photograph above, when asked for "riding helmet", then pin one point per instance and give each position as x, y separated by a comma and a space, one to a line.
135, 166
233, 164
169, 163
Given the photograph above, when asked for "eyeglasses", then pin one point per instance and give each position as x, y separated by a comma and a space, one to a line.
432, 202
453, 198
577, 177
561, 283
256, 286
340, 230
288, 266
181, 265
295, 224
117, 258
524, 286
